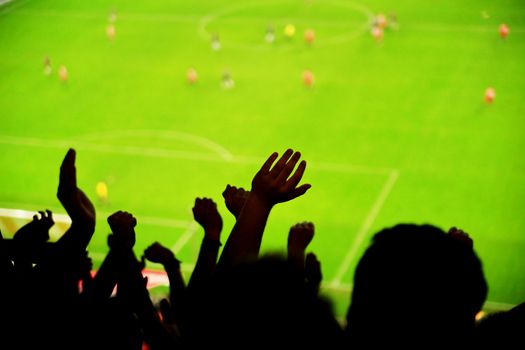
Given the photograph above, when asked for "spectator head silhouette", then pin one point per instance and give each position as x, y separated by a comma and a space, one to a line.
267, 303
415, 283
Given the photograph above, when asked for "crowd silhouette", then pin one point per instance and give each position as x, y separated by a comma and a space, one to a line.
415, 287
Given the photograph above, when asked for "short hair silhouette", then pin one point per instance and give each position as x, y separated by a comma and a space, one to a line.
415, 283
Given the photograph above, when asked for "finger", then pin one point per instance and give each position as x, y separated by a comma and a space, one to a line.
227, 191
198, 202
268, 164
67, 169
311, 257
278, 167
288, 168
35, 217
299, 191
69, 159
294, 180
42, 214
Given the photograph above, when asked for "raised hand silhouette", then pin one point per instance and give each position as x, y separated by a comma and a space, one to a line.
272, 184
234, 198
206, 214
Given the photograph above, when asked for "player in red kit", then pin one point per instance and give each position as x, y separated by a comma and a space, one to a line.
503, 31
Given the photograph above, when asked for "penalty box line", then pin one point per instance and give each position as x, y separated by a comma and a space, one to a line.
159, 152
392, 175
365, 228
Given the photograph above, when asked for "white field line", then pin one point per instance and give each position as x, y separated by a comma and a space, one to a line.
12, 7
173, 154
160, 134
181, 242
206, 19
64, 218
25, 214
340, 168
334, 40
121, 16
365, 227
158, 17
494, 305
112, 149
339, 288
209, 18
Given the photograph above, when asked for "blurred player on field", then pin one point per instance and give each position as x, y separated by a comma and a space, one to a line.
308, 78
270, 35
102, 191
47, 66
110, 31
381, 21
191, 76
63, 73
378, 33
392, 21
112, 16
215, 42
227, 81
503, 31
289, 31
490, 95
309, 36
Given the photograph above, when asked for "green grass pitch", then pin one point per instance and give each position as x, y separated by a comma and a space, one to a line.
395, 131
